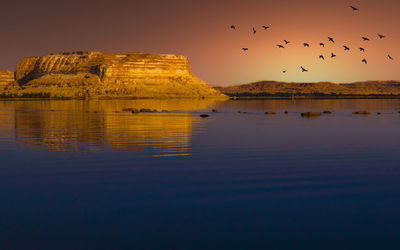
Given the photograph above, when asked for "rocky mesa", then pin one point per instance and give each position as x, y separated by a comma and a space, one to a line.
97, 74
287, 89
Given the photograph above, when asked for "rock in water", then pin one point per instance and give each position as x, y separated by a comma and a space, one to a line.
362, 112
311, 114
98, 74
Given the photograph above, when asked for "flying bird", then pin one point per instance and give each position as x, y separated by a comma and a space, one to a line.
354, 8
322, 57
303, 69
362, 49
233, 27
391, 58
284, 71
364, 61
245, 49
280, 46
265, 27
286, 41
365, 38
333, 55
306, 45
381, 36
254, 30
322, 44
330, 39
345, 47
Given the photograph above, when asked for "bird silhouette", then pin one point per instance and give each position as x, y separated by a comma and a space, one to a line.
306, 45
286, 41
381, 36
265, 27
254, 31
284, 71
364, 61
354, 8
365, 38
322, 57
280, 46
303, 69
330, 39
362, 49
245, 49
391, 58
345, 47
233, 27
322, 44
333, 55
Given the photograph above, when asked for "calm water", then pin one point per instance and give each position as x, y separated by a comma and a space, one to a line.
78, 175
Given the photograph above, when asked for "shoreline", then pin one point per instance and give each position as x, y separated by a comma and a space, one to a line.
230, 97
310, 97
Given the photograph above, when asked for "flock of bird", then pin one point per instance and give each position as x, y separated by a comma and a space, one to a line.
330, 40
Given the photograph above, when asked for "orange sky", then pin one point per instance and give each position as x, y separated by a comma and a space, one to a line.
201, 31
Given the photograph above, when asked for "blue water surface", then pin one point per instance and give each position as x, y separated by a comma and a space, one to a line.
85, 175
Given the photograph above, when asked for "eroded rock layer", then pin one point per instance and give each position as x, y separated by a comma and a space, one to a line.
6, 77
97, 74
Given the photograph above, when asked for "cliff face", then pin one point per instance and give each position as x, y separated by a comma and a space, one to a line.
97, 74
321, 88
6, 77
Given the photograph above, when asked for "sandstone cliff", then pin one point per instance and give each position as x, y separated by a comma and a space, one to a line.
97, 74
6, 77
271, 88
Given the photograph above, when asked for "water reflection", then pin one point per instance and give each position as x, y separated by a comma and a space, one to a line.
341, 105
100, 125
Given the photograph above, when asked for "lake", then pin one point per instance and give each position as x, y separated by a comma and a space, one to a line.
85, 175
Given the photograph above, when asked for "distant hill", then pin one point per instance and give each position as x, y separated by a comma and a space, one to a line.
286, 89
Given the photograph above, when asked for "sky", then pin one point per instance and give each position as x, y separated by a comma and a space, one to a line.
201, 31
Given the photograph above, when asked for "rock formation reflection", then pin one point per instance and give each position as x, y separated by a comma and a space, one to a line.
101, 125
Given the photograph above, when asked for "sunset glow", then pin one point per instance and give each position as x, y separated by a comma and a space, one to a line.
201, 31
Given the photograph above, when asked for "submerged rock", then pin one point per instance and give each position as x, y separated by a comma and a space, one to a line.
311, 114
362, 112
